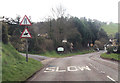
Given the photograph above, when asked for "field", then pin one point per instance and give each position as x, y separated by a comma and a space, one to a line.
111, 28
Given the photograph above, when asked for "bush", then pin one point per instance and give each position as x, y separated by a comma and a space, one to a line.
110, 49
49, 44
66, 47
4, 34
99, 44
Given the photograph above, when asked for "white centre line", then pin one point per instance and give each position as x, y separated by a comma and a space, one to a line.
110, 78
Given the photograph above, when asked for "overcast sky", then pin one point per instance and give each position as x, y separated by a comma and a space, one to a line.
103, 10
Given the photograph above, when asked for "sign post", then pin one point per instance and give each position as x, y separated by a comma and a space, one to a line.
26, 34
26, 50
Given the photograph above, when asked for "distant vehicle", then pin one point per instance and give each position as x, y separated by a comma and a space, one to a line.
98, 49
115, 49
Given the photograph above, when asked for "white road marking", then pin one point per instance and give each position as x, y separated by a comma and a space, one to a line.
57, 70
88, 68
110, 78
50, 69
74, 68
69, 69
83, 68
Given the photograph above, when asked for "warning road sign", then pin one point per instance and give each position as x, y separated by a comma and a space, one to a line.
25, 34
25, 21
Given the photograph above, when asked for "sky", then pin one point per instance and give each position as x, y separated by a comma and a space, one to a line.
102, 10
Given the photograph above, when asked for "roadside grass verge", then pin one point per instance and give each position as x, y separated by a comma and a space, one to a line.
112, 56
14, 66
56, 55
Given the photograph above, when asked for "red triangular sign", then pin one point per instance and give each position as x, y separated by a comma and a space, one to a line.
25, 21
25, 34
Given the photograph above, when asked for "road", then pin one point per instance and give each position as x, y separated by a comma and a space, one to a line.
86, 67
45, 60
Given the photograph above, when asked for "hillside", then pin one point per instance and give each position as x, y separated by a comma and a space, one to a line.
15, 68
111, 28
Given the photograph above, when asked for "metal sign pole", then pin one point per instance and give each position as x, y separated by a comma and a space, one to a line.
26, 50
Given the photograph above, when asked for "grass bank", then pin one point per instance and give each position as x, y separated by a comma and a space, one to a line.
14, 66
112, 56
56, 55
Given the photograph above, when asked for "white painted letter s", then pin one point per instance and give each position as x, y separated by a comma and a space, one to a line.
50, 69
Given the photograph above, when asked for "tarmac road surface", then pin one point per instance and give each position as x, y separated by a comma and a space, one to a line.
86, 67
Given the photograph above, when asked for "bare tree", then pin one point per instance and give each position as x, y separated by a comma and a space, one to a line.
58, 12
